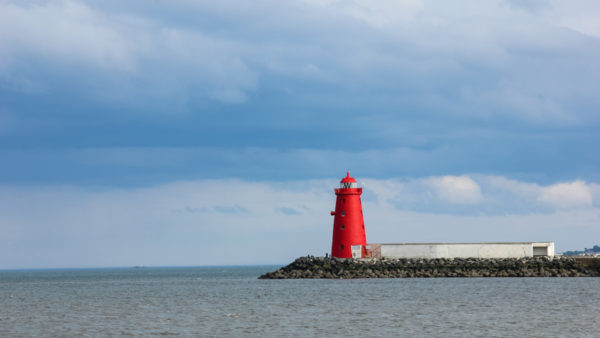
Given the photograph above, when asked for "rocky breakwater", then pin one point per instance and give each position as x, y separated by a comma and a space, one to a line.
321, 267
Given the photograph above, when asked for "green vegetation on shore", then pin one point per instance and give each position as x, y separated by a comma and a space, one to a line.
594, 250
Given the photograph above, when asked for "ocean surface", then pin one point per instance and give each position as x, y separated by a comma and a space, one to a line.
232, 302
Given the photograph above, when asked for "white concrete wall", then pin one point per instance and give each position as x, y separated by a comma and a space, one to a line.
462, 250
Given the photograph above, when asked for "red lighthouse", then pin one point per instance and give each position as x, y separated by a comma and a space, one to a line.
349, 238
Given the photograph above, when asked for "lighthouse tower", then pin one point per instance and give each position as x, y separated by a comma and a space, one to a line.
349, 238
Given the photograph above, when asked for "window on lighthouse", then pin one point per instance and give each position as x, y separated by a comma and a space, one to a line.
343, 213
345, 185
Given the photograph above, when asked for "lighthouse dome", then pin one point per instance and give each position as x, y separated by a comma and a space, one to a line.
348, 182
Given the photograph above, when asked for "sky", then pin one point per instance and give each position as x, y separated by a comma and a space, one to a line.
185, 132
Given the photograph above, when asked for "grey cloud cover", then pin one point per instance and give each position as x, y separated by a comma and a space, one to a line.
496, 62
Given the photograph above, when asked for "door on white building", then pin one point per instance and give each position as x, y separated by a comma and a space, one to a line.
540, 251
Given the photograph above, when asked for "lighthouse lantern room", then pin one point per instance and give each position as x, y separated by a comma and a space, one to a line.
349, 237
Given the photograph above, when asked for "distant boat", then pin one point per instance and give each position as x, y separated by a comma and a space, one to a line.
139, 266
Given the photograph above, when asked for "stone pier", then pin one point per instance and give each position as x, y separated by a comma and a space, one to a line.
339, 268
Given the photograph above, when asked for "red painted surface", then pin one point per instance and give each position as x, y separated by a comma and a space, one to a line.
348, 223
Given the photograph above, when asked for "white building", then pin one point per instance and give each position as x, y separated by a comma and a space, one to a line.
462, 250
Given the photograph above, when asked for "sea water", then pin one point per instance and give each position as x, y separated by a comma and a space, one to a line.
232, 302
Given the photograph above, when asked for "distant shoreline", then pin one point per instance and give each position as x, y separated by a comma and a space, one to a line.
339, 268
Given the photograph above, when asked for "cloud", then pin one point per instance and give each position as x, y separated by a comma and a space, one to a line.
580, 16
180, 223
68, 38
480, 195
64, 30
232, 221
223, 209
529, 5
376, 13
456, 189
288, 211
480, 59
135, 166
567, 195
